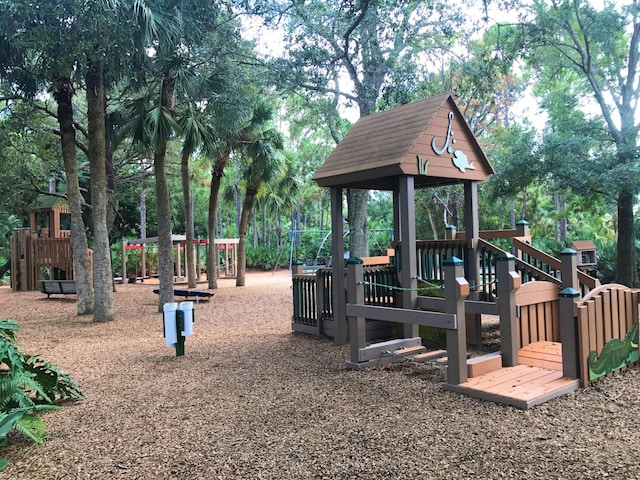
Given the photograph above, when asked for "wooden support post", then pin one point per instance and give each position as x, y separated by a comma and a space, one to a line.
569, 269
407, 236
355, 295
522, 227
143, 262
472, 260
296, 268
337, 259
569, 332
569, 295
124, 262
508, 284
456, 290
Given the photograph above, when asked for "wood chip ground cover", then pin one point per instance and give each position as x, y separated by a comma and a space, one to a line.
251, 400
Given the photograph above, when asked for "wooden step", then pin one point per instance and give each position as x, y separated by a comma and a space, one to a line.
403, 352
423, 357
490, 362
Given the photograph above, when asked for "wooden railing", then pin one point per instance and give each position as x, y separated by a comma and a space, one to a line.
313, 298
431, 254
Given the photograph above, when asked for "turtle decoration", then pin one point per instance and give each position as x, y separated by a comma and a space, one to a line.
615, 354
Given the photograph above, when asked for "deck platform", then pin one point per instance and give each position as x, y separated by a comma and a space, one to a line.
537, 379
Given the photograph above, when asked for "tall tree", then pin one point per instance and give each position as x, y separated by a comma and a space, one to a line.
352, 53
39, 50
600, 46
263, 162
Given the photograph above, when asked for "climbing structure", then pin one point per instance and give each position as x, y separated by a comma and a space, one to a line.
42, 251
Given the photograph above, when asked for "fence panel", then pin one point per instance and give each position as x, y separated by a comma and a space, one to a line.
607, 331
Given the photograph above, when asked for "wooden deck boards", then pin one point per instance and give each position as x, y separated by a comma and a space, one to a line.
536, 380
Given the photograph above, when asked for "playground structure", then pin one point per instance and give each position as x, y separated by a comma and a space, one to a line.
43, 253
558, 327
39, 253
147, 260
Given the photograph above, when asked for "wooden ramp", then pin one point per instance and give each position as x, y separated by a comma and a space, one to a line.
537, 379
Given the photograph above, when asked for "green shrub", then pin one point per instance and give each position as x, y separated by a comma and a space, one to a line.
28, 385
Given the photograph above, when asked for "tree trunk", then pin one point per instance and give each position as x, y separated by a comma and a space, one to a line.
432, 222
626, 272
103, 310
358, 223
247, 205
212, 252
190, 258
163, 205
81, 262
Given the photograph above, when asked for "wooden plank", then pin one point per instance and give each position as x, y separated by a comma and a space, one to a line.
605, 297
422, 357
555, 315
533, 323
377, 350
514, 386
545, 347
591, 312
533, 385
583, 344
409, 350
599, 321
628, 309
525, 339
484, 364
615, 314
536, 292
403, 315
622, 312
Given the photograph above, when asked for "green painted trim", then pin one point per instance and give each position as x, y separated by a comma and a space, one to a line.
453, 261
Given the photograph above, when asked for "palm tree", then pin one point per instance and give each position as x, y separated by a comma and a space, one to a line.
264, 161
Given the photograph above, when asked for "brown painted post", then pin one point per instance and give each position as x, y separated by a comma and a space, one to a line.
472, 260
456, 290
508, 283
297, 267
523, 229
407, 236
124, 262
355, 295
337, 258
569, 296
569, 269
450, 232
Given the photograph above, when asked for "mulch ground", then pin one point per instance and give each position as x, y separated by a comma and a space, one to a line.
252, 400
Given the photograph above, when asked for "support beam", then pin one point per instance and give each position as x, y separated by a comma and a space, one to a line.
407, 238
337, 259
508, 283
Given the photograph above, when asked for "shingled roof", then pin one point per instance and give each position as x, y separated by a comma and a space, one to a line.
428, 139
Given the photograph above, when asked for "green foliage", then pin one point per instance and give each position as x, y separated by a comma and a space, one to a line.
263, 258
28, 385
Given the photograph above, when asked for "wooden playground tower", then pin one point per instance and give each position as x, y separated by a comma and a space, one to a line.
552, 340
42, 252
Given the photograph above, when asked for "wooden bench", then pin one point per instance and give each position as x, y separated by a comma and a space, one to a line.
189, 292
61, 287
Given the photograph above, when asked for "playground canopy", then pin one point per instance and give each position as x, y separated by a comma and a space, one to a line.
428, 140
422, 144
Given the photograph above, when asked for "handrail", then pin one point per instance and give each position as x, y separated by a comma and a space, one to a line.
584, 279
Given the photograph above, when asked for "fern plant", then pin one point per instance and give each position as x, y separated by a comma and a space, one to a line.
28, 385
